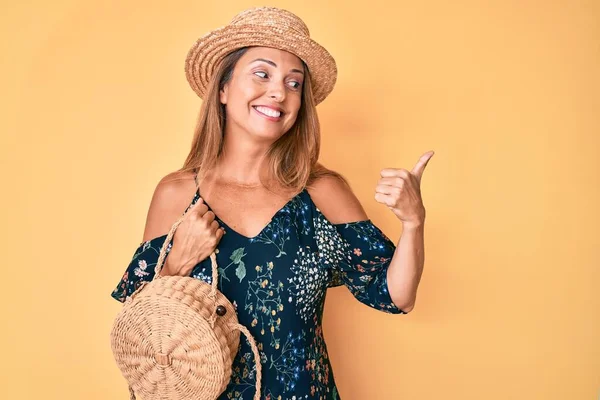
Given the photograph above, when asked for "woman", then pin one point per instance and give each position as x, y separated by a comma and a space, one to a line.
285, 228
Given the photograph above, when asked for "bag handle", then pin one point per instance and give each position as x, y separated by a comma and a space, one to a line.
252, 342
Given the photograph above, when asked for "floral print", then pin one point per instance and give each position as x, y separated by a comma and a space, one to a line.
264, 304
278, 282
308, 283
317, 365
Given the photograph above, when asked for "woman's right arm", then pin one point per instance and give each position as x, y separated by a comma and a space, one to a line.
194, 240
169, 201
167, 205
197, 235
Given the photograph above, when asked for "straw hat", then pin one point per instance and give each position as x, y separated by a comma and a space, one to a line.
261, 26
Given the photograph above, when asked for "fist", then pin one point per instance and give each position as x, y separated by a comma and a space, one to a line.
400, 190
194, 240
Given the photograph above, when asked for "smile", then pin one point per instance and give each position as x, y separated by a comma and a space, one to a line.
269, 113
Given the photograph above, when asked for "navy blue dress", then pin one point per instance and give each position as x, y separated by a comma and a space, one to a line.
277, 281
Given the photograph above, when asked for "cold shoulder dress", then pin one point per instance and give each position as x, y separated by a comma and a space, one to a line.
277, 281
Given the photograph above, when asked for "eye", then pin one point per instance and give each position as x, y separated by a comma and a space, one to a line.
258, 73
295, 84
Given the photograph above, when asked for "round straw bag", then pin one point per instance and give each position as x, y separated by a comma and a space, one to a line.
176, 337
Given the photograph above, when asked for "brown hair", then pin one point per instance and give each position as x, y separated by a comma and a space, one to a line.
292, 158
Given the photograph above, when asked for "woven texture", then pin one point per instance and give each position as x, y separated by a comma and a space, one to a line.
171, 344
261, 26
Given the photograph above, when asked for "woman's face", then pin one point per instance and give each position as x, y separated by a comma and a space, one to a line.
263, 96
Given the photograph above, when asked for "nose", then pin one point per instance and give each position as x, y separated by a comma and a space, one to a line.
277, 91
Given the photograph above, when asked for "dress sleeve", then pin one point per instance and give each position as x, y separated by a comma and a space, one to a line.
364, 254
141, 267
142, 264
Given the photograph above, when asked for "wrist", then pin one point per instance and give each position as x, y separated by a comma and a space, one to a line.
413, 225
165, 270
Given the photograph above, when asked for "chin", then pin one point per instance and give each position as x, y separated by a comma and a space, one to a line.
270, 136
268, 133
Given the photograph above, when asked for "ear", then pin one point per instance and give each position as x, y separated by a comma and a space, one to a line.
223, 94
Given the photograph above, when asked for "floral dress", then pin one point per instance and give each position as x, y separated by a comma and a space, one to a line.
277, 281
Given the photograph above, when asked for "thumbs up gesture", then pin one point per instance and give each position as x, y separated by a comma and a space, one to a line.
400, 190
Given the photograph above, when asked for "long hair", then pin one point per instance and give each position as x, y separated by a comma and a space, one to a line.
292, 159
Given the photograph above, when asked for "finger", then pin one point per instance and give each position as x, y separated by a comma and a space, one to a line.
393, 181
384, 199
190, 208
196, 203
390, 172
200, 210
421, 164
387, 189
209, 217
214, 226
219, 234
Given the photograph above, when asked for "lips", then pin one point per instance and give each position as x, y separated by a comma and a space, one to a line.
269, 112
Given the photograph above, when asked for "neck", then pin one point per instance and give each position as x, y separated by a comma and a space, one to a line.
242, 162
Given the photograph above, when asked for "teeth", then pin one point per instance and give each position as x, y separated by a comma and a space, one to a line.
268, 111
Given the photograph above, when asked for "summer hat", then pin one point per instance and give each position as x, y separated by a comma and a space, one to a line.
261, 26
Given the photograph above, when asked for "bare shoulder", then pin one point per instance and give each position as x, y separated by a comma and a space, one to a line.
335, 198
172, 195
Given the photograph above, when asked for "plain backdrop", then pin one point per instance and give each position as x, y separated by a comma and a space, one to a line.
95, 109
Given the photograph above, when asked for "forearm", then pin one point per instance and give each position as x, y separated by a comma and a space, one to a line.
406, 267
172, 267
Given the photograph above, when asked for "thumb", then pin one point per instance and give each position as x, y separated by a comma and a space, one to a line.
421, 164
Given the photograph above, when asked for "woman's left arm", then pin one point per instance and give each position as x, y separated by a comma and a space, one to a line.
406, 267
400, 190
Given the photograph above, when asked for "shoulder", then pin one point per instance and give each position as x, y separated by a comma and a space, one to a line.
172, 195
334, 197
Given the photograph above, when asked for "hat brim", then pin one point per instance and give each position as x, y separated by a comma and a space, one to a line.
210, 49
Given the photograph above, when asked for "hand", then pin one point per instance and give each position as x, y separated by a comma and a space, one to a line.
400, 190
196, 237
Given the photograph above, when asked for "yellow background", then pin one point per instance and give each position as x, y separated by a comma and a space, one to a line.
96, 109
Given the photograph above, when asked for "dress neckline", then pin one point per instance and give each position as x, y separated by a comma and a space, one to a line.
250, 238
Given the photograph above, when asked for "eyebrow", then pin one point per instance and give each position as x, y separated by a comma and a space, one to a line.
275, 65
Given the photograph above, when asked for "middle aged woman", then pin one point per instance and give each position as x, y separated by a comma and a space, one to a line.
285, 228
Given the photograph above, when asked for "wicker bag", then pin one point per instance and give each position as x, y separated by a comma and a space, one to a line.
176, 337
